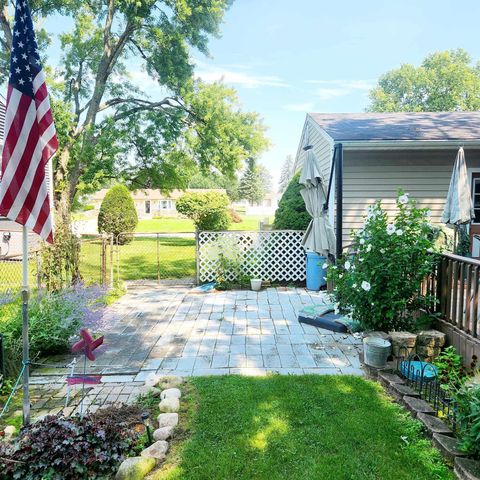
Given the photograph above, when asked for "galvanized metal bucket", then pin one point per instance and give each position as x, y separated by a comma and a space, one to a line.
376, 351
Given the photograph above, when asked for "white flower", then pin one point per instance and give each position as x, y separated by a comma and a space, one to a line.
428, 213
362, 241
347, 265
399, 231
360, 259
354, 285
382, 250
325, 266
403, 199
366, 286
369, 247
390, 228
341, 275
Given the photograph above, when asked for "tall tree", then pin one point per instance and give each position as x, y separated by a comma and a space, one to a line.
109, 127
286, 174
252, 185
445, 81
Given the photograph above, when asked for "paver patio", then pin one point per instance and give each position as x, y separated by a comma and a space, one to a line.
159, 330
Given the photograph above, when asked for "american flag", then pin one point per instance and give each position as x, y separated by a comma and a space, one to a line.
30, 139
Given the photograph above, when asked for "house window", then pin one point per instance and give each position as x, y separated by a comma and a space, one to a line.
147, 206
165, 204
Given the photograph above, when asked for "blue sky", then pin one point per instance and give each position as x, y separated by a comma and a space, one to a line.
286, 58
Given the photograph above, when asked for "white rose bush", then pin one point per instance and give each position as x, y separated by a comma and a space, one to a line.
379, 284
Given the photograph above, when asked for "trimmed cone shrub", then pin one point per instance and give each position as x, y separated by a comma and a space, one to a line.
291, 213
209, 210
117, 214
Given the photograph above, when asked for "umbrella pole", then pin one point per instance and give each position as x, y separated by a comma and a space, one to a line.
339, 188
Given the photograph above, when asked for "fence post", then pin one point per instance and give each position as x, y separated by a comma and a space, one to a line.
197, 256
39, 272
103, 262
111, 260
158, 258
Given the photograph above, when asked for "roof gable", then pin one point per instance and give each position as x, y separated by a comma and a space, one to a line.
416, 126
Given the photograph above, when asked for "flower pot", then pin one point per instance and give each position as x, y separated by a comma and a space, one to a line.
315, 272
256, 284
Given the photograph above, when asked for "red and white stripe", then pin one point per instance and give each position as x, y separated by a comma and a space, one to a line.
30, 142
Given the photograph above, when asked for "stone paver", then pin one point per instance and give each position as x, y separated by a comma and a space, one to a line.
177, 331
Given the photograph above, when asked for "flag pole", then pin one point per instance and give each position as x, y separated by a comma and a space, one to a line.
26, 393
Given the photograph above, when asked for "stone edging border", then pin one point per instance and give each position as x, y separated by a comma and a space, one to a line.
441, 435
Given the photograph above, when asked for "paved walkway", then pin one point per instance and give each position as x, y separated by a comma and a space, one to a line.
156, 330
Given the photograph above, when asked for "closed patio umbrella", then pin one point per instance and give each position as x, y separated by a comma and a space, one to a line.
459, 205
319, 236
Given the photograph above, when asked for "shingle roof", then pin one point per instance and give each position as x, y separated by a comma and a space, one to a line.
461, 126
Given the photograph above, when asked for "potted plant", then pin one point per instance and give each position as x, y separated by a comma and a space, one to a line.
255, 284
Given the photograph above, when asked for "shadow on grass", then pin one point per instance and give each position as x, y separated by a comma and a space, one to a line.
301, 427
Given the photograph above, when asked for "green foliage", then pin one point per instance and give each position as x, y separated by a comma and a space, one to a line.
467, 410
209, 210
379, 284
445, 81
291, 213
254, 183
450, 368
212, 180
117, 214
70, 449
60, 260
53, 319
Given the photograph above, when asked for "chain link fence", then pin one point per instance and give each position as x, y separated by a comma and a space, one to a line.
138, 257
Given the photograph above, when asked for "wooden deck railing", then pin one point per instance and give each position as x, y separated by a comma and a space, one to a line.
455, 283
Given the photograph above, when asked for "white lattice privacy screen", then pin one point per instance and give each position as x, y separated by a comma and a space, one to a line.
277, 256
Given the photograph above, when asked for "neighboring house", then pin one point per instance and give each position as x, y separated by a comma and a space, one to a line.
378, 153
151, 203
267, 206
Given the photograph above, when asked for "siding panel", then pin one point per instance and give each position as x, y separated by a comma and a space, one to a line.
377, 175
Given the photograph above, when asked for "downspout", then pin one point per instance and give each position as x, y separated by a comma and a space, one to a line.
339, 203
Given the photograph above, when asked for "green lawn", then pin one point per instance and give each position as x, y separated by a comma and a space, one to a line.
138, 259
296, 427
186, 225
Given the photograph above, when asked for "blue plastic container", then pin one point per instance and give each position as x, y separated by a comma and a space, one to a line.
315, 272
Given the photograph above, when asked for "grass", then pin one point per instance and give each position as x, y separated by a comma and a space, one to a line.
296, 427
138, 259
185, 225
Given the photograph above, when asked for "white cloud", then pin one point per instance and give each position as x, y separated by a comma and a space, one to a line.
299, 107
330, 89
231, 74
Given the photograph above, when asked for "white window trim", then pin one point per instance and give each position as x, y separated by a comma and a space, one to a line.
470, 171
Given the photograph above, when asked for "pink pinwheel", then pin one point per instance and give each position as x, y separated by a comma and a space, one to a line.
87, 344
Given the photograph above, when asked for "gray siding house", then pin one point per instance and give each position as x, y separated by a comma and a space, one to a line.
369, 156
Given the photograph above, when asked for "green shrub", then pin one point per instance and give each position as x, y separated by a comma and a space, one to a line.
53, 319
118, 214
208, 210
291, 213
379, 285
467, 410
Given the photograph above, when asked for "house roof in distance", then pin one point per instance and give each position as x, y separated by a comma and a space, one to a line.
415, 126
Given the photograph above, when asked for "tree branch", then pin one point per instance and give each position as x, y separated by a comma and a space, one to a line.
7, 31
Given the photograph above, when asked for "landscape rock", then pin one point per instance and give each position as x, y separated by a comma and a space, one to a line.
403, 343
167, 420
9, 432
169, 404
152, 380
171, 393
448, 447
417, 405
467, 469
157, 450
135, 468
163, 433
434, 424
169, 382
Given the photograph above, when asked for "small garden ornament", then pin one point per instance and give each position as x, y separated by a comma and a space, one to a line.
87, 345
